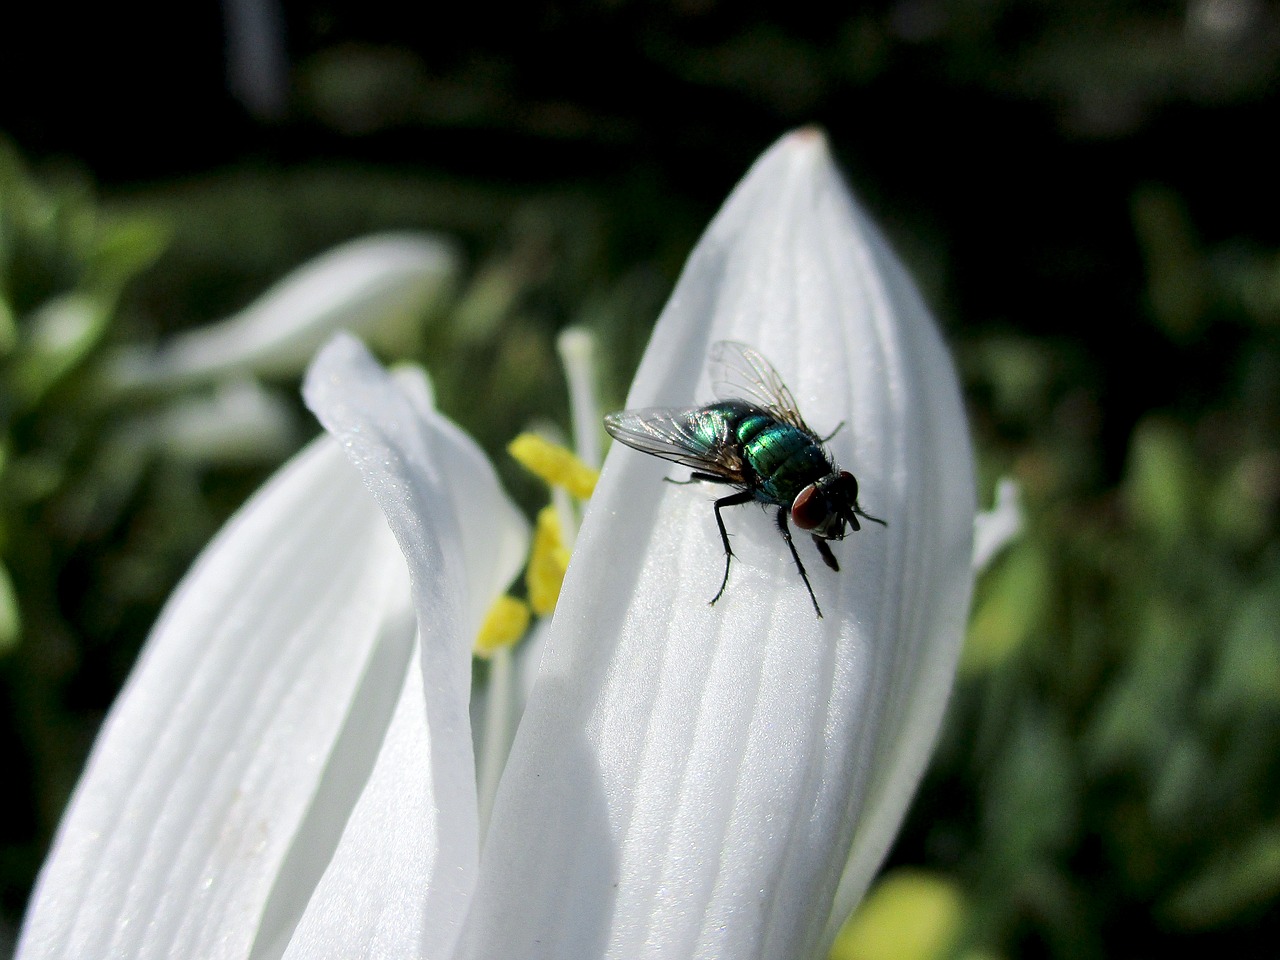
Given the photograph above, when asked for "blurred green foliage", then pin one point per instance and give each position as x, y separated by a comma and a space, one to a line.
63, 268
1080, 189
1109, 780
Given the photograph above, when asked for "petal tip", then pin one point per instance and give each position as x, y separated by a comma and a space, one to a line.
812, 137
341, 350
808, 145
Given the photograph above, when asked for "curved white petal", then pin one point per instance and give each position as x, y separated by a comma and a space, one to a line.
223, 742
688, 780
371, 286
275, 743
435, 485
372, 900
240, 421
400, 880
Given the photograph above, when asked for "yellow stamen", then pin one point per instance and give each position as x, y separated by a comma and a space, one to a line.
548, 561
506, 622
554, 464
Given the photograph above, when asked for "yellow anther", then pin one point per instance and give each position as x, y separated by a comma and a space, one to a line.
506, 622
548, 561
554, 464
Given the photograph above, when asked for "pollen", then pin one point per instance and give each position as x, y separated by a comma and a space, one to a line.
506, 622
547, 563
555, 464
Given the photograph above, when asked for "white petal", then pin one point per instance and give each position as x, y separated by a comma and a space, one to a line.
416, 826
220, 746
240, 421
688, 780
995, 529
410, 454
372, 286
375, 899
496, 709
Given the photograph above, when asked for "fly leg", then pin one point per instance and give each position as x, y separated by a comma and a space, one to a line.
786, 535
742, 496
828, 557
733, 500
858, 510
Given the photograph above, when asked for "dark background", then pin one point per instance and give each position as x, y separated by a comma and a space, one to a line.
1087, 194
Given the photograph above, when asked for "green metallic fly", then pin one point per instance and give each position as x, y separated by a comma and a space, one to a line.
754, 439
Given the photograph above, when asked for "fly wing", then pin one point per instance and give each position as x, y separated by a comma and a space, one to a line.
671, 433
739, 372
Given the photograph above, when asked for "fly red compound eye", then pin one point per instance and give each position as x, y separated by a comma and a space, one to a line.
809, 510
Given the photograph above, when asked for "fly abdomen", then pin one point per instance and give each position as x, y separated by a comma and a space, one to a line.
716, 426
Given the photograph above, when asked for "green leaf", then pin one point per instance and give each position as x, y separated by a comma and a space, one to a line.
1178, 280
1161, 486
125, 248
1238, 878
1031, 795
10, 615
1144, 709
55, 339
8, 328
1014, 600
1247, 673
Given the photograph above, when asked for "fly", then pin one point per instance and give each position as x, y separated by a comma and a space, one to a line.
753, 439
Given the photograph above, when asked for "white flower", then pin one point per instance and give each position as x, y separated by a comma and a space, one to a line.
290, 773
376, 286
